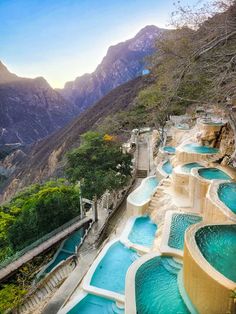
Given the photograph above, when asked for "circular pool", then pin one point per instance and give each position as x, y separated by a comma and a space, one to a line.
169, 149
187, 167
213, 174
199, 149
217, 243
227, 194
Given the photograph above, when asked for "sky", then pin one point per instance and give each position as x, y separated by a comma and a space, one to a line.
63, 39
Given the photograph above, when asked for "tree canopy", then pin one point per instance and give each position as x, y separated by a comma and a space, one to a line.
100, 163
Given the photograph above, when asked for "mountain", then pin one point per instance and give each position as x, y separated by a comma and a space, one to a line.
46, 157
123, 62
29, 109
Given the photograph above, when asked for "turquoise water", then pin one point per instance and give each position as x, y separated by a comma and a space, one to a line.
143, 194
92, 304
227, 194
213, 173
156, 287
179, 224
187, 167
67, 249
218, 245
183, 127
195, 148
169, 149
111, 271
167, 167
143, 231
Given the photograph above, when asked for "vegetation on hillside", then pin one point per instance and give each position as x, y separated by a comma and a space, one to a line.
25, 218
99, 163
194, 64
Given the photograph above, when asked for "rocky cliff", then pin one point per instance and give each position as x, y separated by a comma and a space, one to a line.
46, 159
29, 109
123, 62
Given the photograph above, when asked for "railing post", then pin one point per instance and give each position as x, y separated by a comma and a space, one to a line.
95, 208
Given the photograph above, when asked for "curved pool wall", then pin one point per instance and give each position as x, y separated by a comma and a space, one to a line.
199, 182
147, 290
209, 290
173, 232
106, 276
139, 234
193, 152
86, 303
138, 200
180, 177
215, 208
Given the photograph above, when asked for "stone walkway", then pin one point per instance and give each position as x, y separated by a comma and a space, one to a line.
12, 267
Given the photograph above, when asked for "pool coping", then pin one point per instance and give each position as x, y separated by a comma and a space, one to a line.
164, 247
130, 296
197, 256
124, 238
118, 297
212, 196
130, 202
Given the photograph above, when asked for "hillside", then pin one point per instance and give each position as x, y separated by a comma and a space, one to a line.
29, 109
123, 62
46, 157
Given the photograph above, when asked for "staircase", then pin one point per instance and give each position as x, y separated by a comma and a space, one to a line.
171, 265
141, 173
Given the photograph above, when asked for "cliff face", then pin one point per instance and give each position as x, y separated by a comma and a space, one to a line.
29, 109
122, 63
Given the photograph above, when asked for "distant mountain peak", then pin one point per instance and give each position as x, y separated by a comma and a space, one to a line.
122, 63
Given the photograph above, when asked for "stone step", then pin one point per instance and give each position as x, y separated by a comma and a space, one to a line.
141, 173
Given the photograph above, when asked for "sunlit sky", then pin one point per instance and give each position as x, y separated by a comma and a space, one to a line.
63, 39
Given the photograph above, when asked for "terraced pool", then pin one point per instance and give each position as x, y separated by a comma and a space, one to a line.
227, 194
143, 231
179, 224
156, 287
169, 149
217, 244
167, 167
143, 193
188, 167
111, 271
213, 173
199, 149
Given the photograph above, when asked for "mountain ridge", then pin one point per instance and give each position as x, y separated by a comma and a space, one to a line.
123, 62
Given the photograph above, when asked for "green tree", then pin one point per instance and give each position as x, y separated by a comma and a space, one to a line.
101, 164
10, 297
